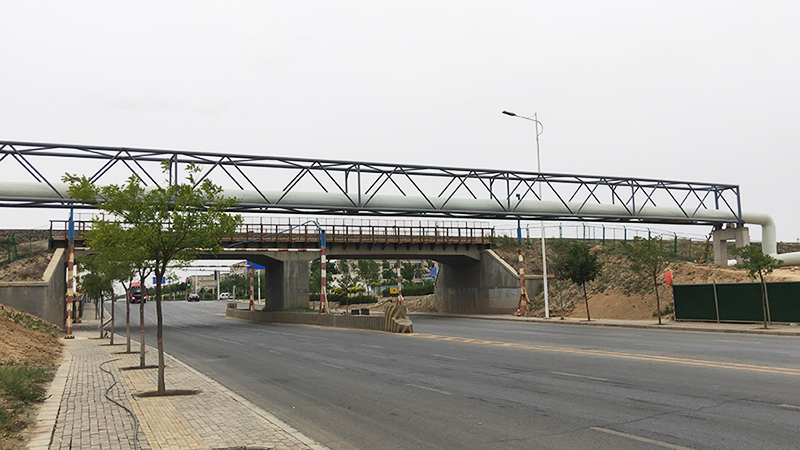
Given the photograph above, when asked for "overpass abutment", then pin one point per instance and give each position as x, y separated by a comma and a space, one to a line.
286, 280
487, 286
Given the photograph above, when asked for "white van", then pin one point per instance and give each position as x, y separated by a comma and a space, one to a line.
224, 295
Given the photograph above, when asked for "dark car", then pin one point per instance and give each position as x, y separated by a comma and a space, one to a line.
194, 298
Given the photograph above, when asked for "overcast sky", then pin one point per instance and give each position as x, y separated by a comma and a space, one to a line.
684, 90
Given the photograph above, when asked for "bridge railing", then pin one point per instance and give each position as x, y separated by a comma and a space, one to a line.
335, 234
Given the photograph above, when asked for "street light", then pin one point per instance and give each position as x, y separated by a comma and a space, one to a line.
539, 169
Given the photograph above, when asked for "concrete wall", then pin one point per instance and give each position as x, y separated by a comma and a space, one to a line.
377, 322
488, 286
45, 298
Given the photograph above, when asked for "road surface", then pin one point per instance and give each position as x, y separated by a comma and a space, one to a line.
474, 384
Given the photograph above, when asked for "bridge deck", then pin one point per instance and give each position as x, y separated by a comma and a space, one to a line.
308, 235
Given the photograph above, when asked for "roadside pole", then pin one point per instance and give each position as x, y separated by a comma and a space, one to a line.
252, 291
522, 306
323, 294
400, 300
70, 276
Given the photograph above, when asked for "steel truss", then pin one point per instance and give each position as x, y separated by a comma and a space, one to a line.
364, 185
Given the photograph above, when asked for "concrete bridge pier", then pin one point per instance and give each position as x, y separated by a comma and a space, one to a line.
286, 279
488, 285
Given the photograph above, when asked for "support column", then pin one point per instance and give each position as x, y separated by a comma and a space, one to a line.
740, 236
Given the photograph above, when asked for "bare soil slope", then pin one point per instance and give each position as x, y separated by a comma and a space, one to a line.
617, 294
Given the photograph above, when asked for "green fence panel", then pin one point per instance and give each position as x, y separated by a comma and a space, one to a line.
692, 302
738, 302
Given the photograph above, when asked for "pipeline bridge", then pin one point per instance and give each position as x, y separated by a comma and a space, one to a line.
290, 185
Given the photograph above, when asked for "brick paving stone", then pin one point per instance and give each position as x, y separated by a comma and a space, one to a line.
79, 416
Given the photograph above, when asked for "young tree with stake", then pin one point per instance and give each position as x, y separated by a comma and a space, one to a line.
170, 224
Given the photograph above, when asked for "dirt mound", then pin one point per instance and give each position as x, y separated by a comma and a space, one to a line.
617, 293
27, 339
29, 268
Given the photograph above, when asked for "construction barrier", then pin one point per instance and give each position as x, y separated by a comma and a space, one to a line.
397, 320
737, 302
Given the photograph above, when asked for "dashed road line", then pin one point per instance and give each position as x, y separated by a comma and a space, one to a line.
450, 357
332, 365
580, 376
429, 389
640, 439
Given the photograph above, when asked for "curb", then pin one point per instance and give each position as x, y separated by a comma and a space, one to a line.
42, 430
672, 327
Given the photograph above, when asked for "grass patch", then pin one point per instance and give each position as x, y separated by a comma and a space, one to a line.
32, 322
19, 387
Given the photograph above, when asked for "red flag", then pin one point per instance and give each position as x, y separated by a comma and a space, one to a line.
668, 277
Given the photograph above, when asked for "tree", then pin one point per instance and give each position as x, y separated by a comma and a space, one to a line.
346, 280
758, 265
388, 273
648, 260
409, 271
580, 266
315, 277
368, 271
170, 224
114, 248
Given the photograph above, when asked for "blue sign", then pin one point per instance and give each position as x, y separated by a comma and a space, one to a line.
433, 271
163, 280
255, 266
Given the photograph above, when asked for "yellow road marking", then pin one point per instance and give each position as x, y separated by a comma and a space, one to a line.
622, 355
639, 438
790, 406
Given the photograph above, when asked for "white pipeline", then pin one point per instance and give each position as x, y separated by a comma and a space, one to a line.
402, 204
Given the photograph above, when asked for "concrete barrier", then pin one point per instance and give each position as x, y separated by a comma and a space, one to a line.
44, 298
361, 322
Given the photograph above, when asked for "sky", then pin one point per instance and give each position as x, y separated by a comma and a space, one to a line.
703, 91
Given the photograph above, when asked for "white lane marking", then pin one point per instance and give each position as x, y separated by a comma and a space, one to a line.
580, 376
790, 406
371, 346
429, 389
639, 438
332, 365
450, 357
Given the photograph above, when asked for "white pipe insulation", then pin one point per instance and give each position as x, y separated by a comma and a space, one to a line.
400, 204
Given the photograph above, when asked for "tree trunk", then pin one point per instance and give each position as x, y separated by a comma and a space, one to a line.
586, 300
113, 300
141, 324
102, 315
763, 298
128, 318
159, 328
658, 302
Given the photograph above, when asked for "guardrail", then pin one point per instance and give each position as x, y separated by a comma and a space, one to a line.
334, 234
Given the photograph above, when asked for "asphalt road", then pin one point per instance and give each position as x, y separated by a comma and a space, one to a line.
474, 384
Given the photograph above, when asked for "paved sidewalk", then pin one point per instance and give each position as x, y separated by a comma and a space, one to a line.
744, 328
77, 415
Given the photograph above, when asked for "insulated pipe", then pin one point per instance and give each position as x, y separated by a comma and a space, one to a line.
32, 191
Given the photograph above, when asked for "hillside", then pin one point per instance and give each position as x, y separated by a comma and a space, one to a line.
616, 294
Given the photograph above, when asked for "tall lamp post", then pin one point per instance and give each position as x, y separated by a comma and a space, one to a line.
539, 130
